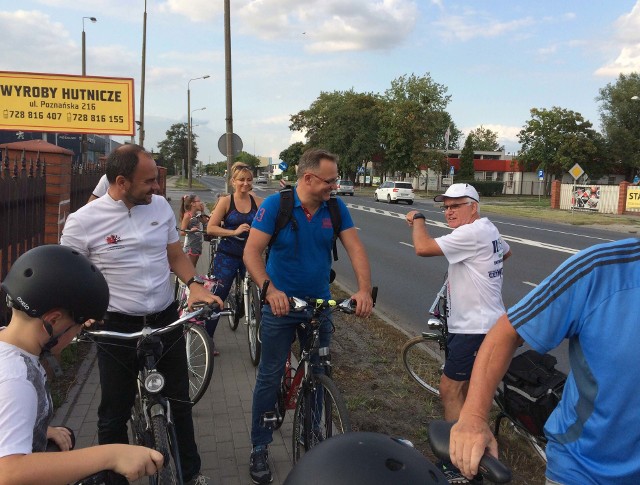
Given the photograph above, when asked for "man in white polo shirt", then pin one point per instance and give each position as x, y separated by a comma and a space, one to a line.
130, 235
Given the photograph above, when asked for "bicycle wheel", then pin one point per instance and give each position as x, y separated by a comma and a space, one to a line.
253, 324
138, 425
166, 476
320, 414
423, 357
236, 302
199, 361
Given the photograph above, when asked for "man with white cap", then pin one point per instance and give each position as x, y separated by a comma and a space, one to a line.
475, 252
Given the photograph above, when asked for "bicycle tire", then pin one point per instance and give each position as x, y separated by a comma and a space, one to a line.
167, 475
199, 361
253, 324
423, 358
312, 425
236, 302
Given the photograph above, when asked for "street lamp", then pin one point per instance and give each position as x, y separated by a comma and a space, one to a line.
142, 75
83, 143
189, 126
189, 141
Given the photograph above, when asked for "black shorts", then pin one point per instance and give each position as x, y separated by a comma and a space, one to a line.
463, 348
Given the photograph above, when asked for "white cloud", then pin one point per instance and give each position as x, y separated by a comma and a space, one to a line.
332, 25
627, 43
194, 10
472, 24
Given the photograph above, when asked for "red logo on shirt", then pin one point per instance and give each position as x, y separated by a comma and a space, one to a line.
326, 223
113, 239
260, 214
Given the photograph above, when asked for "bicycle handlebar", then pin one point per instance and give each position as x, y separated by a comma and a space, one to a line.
202, 311
347, 305
491, 468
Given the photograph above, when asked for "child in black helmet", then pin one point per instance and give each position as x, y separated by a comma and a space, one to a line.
52, 290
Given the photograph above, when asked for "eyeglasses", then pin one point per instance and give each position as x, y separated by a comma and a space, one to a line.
453, 207
333, 181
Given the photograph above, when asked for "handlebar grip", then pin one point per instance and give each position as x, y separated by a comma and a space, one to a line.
374, 294
491, 468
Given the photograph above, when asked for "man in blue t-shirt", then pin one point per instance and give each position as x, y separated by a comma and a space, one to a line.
594, 432
299, 265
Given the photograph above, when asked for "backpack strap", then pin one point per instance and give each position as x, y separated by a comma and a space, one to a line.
336, 222
285, 213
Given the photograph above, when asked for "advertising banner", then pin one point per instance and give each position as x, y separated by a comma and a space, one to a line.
66, 104
633, 197
585, 197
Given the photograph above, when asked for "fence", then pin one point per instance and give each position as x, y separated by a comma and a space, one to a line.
24, 205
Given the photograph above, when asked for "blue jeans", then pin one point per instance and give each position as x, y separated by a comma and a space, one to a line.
224, 269
277, 334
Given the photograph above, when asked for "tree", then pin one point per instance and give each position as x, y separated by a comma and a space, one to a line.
248, 159
291, 155
485, 140
556, 139
343, 122
467, 171
620, 118
414, 122
174, 147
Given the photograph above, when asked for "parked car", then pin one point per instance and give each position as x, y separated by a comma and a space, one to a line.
393, 191
345, 187
262, 179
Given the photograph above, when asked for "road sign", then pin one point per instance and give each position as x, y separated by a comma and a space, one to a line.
236, 144
576, 171
540, 174
360, 170
283, 166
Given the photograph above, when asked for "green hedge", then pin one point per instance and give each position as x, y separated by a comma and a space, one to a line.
484, 188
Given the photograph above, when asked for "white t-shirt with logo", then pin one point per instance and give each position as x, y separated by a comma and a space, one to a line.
130, 248
474, 293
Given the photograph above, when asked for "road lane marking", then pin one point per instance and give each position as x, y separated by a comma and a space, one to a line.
530, 284
430, 222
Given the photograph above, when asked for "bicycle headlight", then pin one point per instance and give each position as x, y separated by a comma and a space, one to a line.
154, 382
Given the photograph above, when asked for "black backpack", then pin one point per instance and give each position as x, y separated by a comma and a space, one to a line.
285, 215
532, 389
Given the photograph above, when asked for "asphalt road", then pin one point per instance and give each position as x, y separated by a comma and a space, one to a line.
408, 284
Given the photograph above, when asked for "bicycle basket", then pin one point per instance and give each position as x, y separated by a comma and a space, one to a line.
532, 389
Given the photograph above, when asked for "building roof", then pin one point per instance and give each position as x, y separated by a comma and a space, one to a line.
36, 146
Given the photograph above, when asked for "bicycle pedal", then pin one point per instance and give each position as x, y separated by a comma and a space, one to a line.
269, 419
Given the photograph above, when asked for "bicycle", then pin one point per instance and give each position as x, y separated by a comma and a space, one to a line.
427, 372
151, 419
319, 408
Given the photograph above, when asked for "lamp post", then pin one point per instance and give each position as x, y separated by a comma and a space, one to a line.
83, 143
189, 126
190, 148
144, 61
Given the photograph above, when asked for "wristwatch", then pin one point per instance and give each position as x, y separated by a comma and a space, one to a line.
195, 279
418, 215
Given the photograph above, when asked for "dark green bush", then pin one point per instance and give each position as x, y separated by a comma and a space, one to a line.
487, 188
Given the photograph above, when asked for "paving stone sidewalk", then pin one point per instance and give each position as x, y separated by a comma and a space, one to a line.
222, 417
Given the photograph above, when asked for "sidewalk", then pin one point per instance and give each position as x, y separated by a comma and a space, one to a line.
222, 418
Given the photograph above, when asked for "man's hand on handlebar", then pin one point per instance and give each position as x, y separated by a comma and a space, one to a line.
470, 438
364, 303
198, 293
277, 300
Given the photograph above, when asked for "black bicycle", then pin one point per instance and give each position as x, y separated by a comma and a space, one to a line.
151, 418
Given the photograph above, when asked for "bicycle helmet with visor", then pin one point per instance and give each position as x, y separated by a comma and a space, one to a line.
53, 276
363, 458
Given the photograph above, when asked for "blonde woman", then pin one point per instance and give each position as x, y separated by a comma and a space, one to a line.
235, 212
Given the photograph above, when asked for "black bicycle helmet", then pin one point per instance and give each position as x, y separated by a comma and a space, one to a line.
53, 276
361, 458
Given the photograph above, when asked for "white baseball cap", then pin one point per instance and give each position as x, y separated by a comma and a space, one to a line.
457, 191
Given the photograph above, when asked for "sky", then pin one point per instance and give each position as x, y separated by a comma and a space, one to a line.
498, 59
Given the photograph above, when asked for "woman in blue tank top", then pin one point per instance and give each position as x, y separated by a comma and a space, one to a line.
231, 219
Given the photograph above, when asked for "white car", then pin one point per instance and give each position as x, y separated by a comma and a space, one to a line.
393, 191
262, 179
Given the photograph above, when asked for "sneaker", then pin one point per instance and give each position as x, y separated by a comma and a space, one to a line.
451, 473
199, 479
259, 466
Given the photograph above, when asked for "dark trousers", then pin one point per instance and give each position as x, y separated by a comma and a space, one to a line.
118, 374
224, 269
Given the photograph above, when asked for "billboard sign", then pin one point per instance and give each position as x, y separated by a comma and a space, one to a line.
66, 104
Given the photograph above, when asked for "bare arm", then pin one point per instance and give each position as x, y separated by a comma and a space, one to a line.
184, 270
471, 435
214, 227
360, 263
506, 256
423, 243
70, 466
256, 244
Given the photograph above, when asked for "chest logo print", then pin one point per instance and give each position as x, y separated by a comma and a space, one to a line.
113, 239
